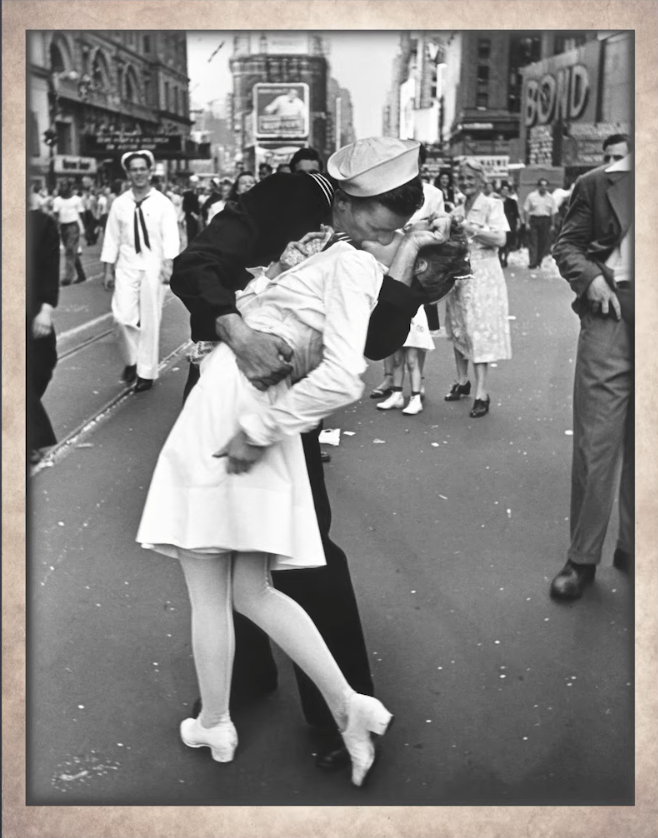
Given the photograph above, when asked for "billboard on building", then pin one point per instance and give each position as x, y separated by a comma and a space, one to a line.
281, 111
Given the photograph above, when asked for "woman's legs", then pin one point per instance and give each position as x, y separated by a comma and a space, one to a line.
414, 360
462, 366
290, 627
213, 642
481, 371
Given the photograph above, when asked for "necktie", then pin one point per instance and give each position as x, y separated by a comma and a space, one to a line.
140, 215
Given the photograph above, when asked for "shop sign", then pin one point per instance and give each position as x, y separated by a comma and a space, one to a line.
281, 111
562, 88
118, 143
559, 96
476, 126
64, 164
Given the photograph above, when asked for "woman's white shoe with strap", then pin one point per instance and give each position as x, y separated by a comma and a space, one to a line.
222, 739
365, 716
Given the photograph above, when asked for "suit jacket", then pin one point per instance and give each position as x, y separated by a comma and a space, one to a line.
599, 214
42, 262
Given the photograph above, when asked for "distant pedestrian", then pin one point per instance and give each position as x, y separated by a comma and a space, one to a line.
444, 183
68, 209
477, 310
306, 160
42, 292
264, 170
243, 183
192, 209
512, 214
594, 253
539, 211
141, 241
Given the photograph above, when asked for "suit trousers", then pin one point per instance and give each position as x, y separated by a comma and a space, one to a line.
325, 593
41, 356
137, 311
540, 238
604, 437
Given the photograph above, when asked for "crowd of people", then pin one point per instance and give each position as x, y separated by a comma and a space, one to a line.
291, 283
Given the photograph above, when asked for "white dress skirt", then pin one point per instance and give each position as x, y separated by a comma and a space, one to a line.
419, 336
194, 504
321, 308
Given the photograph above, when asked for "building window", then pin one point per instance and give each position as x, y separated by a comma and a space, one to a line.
484, 47
166, 95
64, 139
147, 43
483, 74
175, 100
132, 91
56, 59
99, 71
33, 134
482, 100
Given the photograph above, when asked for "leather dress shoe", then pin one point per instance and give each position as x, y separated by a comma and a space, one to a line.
333, 758
457, 391
143, 384
480, 408
129, 374
572, 580
325, 456
622, 561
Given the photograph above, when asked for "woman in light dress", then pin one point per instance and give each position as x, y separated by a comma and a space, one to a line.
477, 310
230, 497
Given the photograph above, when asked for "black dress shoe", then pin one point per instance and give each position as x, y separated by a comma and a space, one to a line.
457, 391
325, 456
622, 561
143, 384
334, 758
571, 580
129, 374
480, 408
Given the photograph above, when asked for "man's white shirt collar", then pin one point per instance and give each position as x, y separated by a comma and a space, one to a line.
623, 165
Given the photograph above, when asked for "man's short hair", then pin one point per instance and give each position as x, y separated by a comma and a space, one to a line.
265, 166
542, 180
615, 139
403, 200
307, 153
138, 156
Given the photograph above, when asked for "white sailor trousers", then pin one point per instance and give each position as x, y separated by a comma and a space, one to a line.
137, 311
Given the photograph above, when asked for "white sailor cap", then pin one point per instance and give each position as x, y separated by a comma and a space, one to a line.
375, 165
143, 152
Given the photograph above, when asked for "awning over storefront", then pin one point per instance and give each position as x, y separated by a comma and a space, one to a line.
163, 146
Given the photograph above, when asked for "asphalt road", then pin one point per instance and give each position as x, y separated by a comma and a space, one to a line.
453, 527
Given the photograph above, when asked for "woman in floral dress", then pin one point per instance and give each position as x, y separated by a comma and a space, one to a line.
477, 310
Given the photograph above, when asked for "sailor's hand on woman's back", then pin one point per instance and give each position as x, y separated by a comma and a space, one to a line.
262, 358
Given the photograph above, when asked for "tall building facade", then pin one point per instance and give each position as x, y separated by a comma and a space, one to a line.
573, 100
268, 68
340, 124
94, 95
464, 93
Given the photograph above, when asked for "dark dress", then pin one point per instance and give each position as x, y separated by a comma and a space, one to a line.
254, 231
42, 286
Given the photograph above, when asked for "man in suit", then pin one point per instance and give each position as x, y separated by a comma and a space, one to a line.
42, 295
594, 253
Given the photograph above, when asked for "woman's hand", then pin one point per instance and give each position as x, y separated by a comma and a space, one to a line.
242, 456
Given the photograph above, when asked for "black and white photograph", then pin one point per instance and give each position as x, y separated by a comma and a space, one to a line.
398, 265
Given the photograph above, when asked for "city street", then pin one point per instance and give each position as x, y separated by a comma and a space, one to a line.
453, 528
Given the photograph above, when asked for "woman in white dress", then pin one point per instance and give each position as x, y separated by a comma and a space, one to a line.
230, 496
477, 309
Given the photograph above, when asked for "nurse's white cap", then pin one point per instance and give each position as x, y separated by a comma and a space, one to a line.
143, 152
375, 165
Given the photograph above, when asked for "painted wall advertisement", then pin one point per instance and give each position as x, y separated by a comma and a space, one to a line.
281, 110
